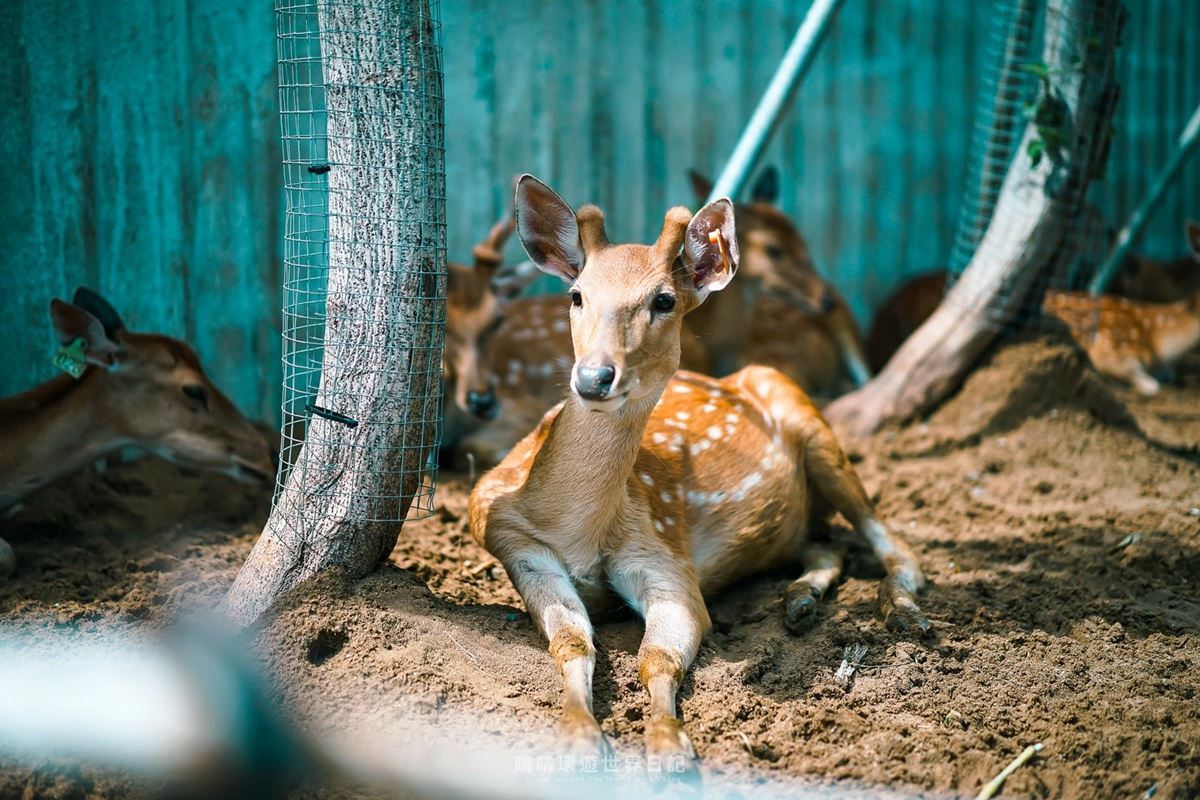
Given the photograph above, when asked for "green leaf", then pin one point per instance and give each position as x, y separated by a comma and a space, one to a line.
1034, 149
1036, 68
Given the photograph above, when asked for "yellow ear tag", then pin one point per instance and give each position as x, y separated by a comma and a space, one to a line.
714, 236
72, 358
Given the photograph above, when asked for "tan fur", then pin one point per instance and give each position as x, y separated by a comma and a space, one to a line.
531, 353
1126, 339
65, 424
665, 493
810, 349
474, 313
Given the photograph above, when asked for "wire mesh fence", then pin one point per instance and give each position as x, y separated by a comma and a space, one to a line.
364, 286
1020, 90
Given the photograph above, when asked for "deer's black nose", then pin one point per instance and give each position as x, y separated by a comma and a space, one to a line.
594, 383
483, 404
828, 303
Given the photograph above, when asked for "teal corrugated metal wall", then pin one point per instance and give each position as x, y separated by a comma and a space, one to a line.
141, 152
141, 157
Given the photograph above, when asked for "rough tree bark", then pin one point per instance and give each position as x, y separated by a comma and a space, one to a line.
349, 486
1031, 218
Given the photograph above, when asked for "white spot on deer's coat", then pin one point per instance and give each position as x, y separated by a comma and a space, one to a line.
709, 408
682, 415
714, 433
658, 438
646, 479
731, 417
561, 325
666, 495
681, 388
658, 526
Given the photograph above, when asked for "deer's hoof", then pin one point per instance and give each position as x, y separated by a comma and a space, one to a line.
800, 607
900, 610
670, 757
581, 736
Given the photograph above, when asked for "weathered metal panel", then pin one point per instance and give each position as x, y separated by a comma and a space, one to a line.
141, 152
141, 158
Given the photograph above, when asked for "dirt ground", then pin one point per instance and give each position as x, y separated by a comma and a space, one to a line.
1057, 516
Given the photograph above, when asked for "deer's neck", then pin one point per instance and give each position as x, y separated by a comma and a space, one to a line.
50, 431
579, 478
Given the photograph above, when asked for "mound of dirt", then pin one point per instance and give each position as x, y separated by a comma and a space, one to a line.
1026, 379
1057, 517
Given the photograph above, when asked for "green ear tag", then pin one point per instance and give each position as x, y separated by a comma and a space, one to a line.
72, 358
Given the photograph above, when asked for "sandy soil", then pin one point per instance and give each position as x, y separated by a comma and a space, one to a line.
1057, 515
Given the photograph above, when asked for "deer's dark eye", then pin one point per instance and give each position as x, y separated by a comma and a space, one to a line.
576, 298
774, 252
196, 392
664, 302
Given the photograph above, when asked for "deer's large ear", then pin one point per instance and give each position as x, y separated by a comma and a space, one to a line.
548, 229
766, 188
99, 308
710, 249
72, 322
1192, 232
701, 185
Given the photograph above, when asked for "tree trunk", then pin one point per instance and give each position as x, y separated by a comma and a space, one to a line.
350, 488
1032, 215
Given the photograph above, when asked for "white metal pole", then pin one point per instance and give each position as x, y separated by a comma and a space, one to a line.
1137, 221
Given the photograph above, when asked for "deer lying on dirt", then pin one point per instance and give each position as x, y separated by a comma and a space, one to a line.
800, 324
474, 312
1125, 339
139, 389
658, 488
1128, 339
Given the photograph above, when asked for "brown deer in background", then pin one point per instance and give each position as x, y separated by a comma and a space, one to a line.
135, 389
1152, 281
1140, 278
654, 488
798, 322
474, 313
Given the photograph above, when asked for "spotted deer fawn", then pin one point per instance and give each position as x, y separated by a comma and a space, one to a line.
1125, 339
139, 389
656, 488
1128, 339
791, 319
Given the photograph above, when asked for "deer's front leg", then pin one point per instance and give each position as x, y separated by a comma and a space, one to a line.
668, 596
559, 612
